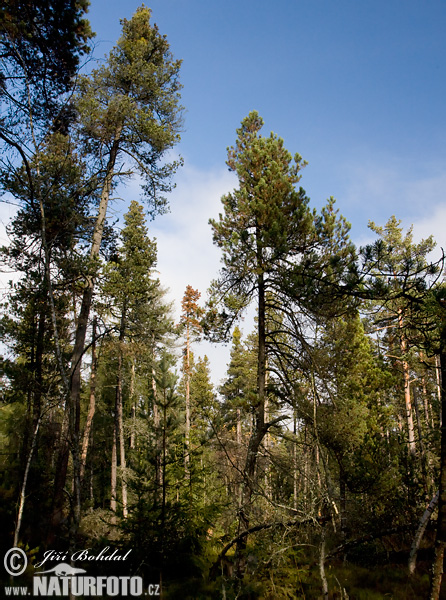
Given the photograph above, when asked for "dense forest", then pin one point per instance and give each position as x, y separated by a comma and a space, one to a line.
318, 468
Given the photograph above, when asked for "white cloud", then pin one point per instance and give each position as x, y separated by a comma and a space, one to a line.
433, 222
186, 254
7, 212
375, 191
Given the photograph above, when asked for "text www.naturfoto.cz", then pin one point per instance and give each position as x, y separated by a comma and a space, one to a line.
16, 591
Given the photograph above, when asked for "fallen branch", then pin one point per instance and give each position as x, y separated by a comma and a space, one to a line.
262, 527
368, 538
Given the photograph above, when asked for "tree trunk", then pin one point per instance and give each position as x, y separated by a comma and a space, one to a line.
113, 475
407, 399
187, 399
421, 443
120, 433
132, 398
92, 404
266, 444
119, 420
440, 543
294, 461
25, 481
322, 565
420, 532
73, 407
257, 435
157, 442
437, 570
343, 501
57, 504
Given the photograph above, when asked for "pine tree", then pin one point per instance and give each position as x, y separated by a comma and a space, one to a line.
190, 322
402, 254
273, 247
127, 107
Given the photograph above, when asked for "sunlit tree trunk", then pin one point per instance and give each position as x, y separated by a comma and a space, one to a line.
119, 412
113, 475
187, 403
133, 401
157, 422
24, 483
92, 403
407, 397
440, 542
420, 532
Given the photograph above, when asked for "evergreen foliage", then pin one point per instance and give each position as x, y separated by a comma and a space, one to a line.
310, 467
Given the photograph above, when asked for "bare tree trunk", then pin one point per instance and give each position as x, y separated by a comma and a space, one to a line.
440, 543
343, 501
407, 398
114, 468
421, 443
266, 444
156, 422
239, 430
120, 434
73, 407
25, 481
294, 461
132, 398
420, 532
258, 432
187, 429
322, 565
92, 404
428, 413
57, 504
91, 487
239, 454
437, 570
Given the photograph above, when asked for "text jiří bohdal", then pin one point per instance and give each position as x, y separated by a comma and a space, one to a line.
82, 555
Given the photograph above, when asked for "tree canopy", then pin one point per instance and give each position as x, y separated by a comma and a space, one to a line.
315, 466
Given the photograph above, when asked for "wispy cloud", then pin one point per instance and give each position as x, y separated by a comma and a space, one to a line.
186, 254
377, 190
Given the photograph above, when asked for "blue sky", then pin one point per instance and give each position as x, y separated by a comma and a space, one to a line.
347, 84
356, 87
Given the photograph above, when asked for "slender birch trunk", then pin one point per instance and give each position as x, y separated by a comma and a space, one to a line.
420, 532
25, 481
